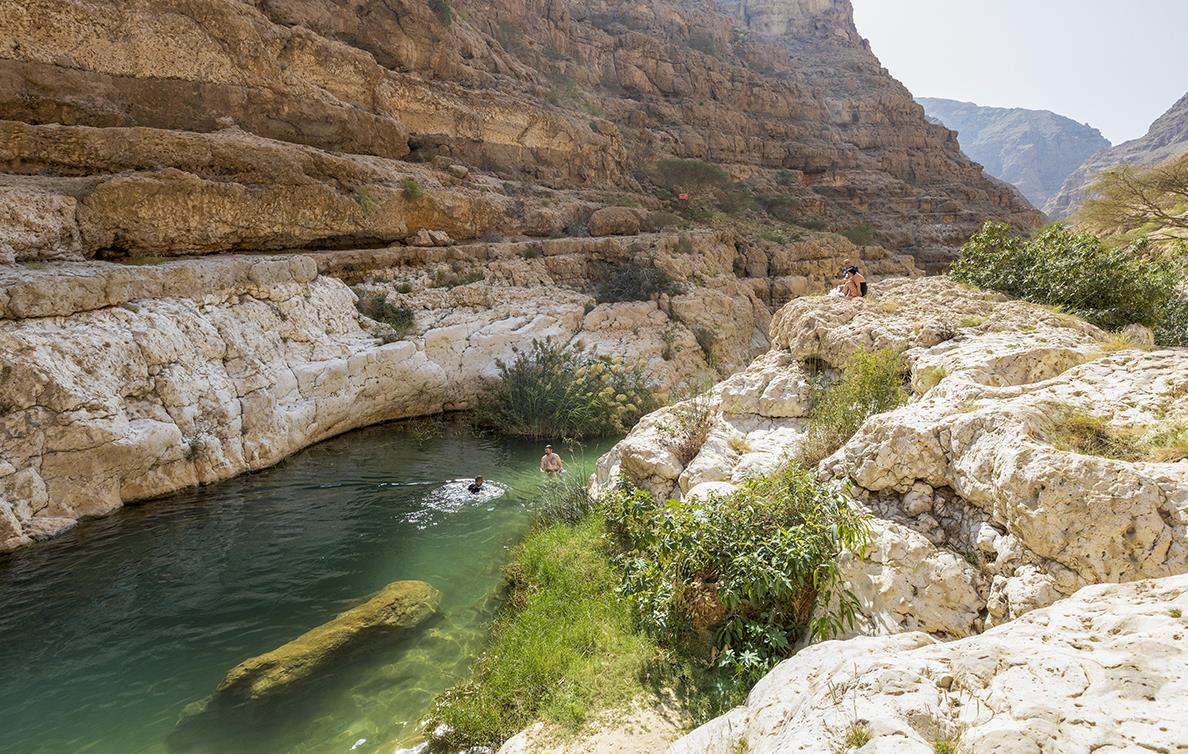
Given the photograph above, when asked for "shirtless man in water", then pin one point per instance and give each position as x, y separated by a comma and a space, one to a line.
550, 462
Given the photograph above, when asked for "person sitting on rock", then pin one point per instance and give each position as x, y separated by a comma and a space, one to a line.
853, 284
476, 486
550, 462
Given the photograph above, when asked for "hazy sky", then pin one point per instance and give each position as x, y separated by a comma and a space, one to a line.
1115, 64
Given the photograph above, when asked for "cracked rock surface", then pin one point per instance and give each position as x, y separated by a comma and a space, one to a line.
1105, 670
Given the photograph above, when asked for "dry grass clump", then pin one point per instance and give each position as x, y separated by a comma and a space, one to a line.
1079, 431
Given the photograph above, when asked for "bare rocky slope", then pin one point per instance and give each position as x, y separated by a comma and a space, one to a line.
1033, 150
1167, 138
197, 197
983, 518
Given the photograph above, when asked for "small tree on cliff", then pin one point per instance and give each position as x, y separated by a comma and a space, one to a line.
1130, 198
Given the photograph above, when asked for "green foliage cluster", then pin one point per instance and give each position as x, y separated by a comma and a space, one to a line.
411, 189
441, 9
1110, 287
1172, 327
753, 567
553, 392
635, 282
871, 382
567, 646
400, 319
861, 234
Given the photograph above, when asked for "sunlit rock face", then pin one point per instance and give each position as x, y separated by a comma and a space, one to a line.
979, 515
1103, 670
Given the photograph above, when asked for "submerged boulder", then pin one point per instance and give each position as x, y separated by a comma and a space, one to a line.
400, 607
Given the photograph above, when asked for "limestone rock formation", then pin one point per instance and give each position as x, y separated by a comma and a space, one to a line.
411, 152
981, 515
784, 94
1167, 138
1033, 150
1103, 670
397, 609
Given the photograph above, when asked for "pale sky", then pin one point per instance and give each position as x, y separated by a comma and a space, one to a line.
1115, 64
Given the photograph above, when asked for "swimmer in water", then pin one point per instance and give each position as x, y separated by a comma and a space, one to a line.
550, 462
476, 486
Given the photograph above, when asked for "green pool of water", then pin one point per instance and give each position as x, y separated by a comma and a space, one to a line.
109, 631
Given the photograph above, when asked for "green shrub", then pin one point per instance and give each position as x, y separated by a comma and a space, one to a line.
661, 219
377, 307
554, 392
872, 382
1172, 327
412, 190
748, 569
687, 174
441, 9
634, 282
861, 234
566, 647
564, 499
1110, 287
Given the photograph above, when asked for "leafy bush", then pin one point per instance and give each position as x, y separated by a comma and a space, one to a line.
441, 9
553, 392
1172, 327
1110, 287
861, 234
412, 190
686, 174
748, 569
871, 383
566, 647
633, 282
377, 307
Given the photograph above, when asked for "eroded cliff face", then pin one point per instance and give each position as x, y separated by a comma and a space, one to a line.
785, 95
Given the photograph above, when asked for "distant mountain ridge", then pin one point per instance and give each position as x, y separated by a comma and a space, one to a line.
1034, 150
1167, 138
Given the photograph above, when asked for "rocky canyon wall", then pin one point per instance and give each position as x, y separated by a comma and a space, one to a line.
991, 532
481, 164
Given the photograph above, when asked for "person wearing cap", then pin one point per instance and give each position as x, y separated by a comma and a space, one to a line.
550, 462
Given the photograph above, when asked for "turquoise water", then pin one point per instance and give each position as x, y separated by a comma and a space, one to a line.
109, 631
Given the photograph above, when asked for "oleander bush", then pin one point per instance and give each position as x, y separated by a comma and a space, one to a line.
550, 391
1109, 286
752, 572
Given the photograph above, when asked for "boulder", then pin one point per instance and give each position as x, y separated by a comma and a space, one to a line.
398, 609
614, 221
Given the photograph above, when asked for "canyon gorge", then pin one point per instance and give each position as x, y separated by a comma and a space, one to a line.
233, 229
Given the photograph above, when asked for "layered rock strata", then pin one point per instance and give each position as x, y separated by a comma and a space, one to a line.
786, 96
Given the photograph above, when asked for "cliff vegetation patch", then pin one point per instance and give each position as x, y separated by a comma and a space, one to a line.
749, 574
1109, 286
1079, 431
550, 391
871, 382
